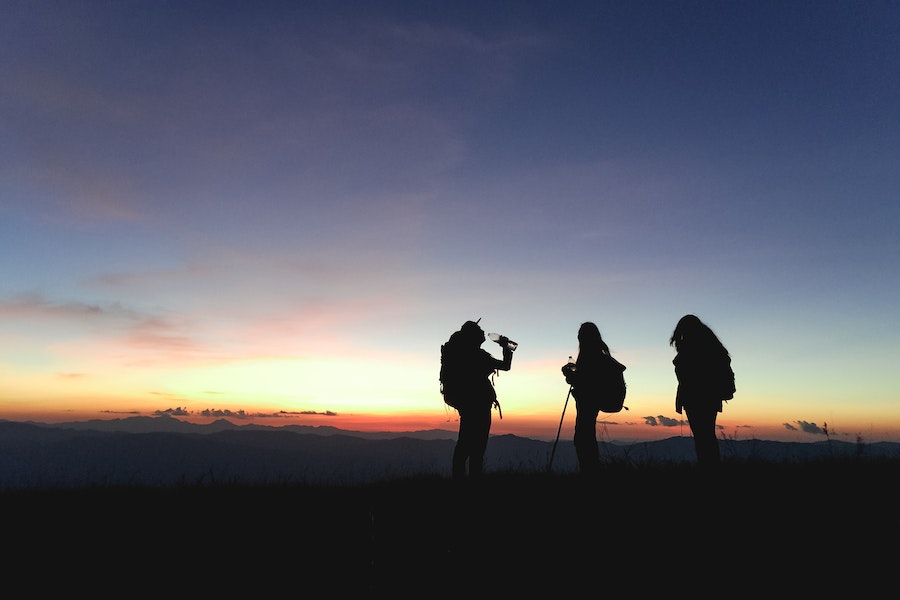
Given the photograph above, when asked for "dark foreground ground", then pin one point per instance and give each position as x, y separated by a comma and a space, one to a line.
820, 528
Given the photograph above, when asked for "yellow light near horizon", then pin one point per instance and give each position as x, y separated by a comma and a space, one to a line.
321, 384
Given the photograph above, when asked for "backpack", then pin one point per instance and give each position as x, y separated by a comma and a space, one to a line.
450, 377
726, 382
611, 395
612, 400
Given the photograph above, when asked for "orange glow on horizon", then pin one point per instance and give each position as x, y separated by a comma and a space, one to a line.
618, 428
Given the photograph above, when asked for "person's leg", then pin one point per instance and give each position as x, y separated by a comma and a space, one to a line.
459, 461
481, 431
703, 428
462, 450
585, 440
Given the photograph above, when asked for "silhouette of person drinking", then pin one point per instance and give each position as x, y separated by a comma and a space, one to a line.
474, 397
705, 379
590, 376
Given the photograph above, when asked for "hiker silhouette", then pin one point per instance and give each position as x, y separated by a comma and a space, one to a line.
705, 379
474, 396
590, 375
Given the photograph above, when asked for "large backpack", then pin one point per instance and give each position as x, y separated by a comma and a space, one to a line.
613, 398
610, 395
451, 375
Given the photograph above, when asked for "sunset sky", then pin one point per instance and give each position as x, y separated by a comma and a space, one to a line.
278, 211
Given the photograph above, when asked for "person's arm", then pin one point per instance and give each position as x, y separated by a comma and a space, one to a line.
498, 364
506, 364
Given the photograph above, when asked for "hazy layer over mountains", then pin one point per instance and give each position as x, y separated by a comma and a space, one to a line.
163, 451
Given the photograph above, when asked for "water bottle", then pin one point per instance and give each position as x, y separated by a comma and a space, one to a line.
495, 337
569, 369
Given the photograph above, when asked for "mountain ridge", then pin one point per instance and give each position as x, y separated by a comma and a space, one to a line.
164, 451
168, 423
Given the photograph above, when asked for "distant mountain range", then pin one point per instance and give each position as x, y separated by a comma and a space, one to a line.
165, 451
169, 424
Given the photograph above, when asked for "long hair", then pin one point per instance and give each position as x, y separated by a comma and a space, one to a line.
590, 342
693, 335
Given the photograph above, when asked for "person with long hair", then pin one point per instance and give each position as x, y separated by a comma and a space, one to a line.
705, 380
593, 374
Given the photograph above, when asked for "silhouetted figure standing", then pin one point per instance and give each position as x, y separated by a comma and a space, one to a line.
705, 379
591, 376
473, 395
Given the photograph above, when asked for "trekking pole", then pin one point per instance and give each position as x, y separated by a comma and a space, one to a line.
563, 416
